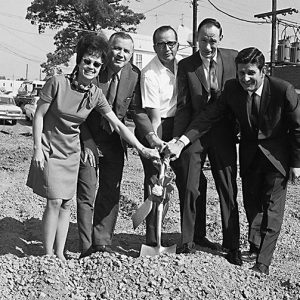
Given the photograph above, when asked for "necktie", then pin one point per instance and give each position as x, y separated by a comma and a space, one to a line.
113, 87
110, 96
213, 80
255, 103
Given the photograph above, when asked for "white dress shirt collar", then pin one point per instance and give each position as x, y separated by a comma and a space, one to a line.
206, 61
258, 91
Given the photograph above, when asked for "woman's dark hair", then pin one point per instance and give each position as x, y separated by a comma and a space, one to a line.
92, 44
251, 55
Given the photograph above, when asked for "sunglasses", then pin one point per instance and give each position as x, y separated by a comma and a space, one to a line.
162, 45
88, 61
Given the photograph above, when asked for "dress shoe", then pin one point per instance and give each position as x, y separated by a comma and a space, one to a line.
86, 253
187, 248
234, 257
260, 268
206, 243
103, 248
249, 256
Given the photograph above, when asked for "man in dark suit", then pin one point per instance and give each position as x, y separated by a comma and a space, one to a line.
201, 78
103, 150
268, 111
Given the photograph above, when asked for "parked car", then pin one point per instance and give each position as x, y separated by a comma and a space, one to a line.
9, 110
30, 108
27, 91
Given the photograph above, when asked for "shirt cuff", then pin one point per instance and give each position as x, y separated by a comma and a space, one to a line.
185, 140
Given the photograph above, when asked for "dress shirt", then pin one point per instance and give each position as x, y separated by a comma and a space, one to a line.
159, 88
258, 91
206, 62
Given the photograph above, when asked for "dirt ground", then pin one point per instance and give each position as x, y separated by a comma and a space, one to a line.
26, 274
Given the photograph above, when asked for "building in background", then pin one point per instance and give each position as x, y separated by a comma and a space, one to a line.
10, 86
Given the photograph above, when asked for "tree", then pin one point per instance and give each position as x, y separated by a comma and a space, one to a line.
75, 18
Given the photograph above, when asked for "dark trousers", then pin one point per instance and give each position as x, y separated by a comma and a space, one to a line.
96, 226
86, 189
264, 193
192, 188
165, 133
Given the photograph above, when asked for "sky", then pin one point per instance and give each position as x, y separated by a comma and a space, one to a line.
23, 49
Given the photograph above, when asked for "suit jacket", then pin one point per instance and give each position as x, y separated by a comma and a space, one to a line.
193, 89
127, 98
278, 134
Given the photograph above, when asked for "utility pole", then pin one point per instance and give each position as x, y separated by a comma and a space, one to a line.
182, 19
273, 15
26, 76
195, 4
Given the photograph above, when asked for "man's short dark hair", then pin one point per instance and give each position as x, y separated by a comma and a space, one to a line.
92, 44
212, 22
250, 55
162, 29
121, 35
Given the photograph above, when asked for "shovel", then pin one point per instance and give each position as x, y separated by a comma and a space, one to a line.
149, 250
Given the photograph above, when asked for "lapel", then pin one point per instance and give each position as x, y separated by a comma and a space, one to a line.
124, 86
265, 99
242, 104
220, 70
229, 68
103, 80
197, 61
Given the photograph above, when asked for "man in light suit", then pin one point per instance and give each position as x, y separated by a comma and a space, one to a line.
103, 150
268, 111
201, 78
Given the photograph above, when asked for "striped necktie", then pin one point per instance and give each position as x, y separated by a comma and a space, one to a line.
213, 80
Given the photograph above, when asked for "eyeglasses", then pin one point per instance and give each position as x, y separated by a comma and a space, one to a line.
96, 64
162, 45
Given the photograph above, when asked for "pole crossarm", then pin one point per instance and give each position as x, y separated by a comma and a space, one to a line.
277, 12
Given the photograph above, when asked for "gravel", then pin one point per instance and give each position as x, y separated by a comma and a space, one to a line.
25, 273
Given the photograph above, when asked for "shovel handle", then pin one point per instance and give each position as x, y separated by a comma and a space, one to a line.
162, 171
159, 222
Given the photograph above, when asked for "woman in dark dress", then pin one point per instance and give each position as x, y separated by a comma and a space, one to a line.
65, 102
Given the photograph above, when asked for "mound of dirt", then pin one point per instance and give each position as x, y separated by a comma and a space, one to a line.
26, 274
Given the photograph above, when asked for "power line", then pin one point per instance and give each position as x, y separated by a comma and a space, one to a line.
22, 31
234, 17
156, 7
24, 40
11, 16
17, 54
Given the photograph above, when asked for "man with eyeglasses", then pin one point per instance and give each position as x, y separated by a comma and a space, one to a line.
103, 150
159, 98
201, 78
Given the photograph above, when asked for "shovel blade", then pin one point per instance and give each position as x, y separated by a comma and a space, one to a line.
142, 212
153, 251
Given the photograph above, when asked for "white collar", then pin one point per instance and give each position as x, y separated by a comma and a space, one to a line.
162, 67
259, 90
206, 61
